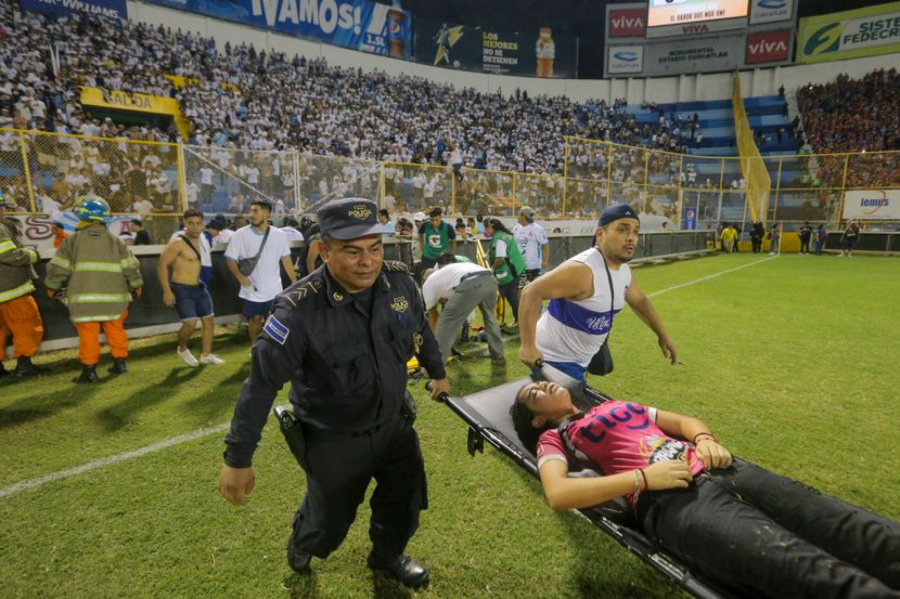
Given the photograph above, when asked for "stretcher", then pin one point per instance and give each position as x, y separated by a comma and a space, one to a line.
487, 414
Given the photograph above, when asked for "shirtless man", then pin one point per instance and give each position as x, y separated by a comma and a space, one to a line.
186, 292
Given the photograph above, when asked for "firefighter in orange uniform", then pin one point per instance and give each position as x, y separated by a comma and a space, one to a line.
18, 311
99, 274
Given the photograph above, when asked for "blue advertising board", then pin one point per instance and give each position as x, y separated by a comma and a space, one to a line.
358, 24
107, 8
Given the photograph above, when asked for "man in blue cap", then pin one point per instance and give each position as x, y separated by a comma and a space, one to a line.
343, 335
585, 293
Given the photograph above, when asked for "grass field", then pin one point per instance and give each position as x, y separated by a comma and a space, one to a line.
791, 361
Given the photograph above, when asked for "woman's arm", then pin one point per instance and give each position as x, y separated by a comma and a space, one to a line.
565, 493
695, 430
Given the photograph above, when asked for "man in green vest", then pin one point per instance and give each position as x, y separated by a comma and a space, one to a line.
435, 238
506, 261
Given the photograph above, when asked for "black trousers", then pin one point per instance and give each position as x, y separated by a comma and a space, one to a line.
756, 243
804, 246
338, 472
767, 534
508, 292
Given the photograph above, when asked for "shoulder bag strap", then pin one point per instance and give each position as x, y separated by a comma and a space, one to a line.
612, 293
263, 244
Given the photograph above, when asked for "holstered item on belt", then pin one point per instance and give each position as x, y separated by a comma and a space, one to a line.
293, 434
408, 408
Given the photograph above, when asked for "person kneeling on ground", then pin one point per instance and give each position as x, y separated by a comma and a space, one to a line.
738, 524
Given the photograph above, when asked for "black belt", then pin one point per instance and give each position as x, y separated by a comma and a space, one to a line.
471, 275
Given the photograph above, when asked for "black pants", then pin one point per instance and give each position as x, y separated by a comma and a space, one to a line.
756, 243
753, 529
804, 246
339, 470
508, 292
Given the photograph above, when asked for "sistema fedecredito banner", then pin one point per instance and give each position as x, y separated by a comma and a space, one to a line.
540, 53
358, 24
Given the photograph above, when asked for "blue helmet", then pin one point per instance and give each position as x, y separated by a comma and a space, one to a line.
93, 209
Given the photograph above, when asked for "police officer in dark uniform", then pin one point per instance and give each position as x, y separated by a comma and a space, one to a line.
343, 336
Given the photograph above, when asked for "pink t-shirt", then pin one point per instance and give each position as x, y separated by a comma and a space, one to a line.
617, 437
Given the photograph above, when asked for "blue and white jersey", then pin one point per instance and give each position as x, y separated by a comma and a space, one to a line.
573, 331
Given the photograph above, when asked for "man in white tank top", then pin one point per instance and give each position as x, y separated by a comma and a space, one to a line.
581, 309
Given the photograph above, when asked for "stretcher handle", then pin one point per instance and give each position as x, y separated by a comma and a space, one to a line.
442, 398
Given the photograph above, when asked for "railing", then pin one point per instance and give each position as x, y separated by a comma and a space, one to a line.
43, 173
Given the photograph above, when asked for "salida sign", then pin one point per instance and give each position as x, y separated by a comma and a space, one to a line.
627, 22
768, 46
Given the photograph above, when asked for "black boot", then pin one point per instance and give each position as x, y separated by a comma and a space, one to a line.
88, 374
299, 562
403, 568
24, 367
118, 366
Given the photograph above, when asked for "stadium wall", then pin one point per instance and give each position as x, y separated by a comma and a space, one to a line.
684, 88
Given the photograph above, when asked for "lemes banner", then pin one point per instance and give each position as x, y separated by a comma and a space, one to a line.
358, 24
872, 204
850, 34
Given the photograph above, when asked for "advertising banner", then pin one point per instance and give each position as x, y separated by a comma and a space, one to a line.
850, 34
538, 54
626, 22
625, 59
768, 46
358, 24
681, 12
771, 11
724, 53
107, 8
872, 204
694, 29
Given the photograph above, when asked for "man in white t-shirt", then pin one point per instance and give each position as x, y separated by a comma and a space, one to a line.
206, 185
263, 283
533, 244
464, 285
579, 317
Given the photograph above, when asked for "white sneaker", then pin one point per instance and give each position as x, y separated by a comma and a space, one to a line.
211, 359
188, 358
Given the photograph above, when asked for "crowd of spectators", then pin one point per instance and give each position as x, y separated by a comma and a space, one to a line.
239, 98
850, 116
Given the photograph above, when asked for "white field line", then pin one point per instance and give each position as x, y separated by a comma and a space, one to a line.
204, 432
708, 277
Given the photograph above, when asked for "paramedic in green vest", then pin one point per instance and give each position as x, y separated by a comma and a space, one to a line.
506, 261
435, 238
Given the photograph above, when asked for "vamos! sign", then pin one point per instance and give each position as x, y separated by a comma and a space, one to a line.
769, 46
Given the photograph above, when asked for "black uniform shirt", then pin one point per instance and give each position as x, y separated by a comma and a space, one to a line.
347, 368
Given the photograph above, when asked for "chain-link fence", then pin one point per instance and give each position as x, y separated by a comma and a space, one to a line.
43, 172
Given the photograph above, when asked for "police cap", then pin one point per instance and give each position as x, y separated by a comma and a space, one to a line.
350, 218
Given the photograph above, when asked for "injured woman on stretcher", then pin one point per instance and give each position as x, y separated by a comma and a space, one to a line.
736, 523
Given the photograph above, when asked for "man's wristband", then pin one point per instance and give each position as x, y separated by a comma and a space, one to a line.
704, 435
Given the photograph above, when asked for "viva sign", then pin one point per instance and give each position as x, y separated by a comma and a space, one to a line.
769, 46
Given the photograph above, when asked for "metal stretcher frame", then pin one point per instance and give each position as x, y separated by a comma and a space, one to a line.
487, 414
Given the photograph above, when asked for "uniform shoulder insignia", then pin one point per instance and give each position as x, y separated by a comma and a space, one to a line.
308, 289
395, 266
276, 330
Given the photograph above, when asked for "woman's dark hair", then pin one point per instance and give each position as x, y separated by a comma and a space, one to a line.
498, 225
522, 417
